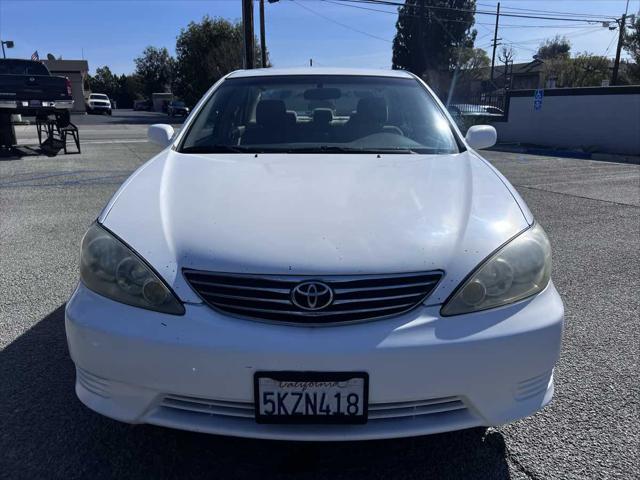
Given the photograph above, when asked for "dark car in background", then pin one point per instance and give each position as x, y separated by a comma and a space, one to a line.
145, 105
177, 107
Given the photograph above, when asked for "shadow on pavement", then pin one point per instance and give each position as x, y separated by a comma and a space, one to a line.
19, 151
45, 432
126, 117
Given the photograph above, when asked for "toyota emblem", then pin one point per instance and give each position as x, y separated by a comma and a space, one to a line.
312, 295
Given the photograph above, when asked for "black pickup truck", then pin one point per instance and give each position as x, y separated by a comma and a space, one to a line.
27, 88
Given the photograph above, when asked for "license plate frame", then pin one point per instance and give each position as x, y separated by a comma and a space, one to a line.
312, 376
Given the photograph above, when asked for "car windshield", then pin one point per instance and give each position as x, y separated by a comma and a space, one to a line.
99, 97
320, 113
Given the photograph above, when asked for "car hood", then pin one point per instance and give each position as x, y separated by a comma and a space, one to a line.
314, 214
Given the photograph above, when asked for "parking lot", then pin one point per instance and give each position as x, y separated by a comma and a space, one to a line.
590, 210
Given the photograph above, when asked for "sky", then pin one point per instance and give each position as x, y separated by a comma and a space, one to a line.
114, 32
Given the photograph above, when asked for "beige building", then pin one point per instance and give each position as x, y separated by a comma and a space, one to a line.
160, 101
76, 71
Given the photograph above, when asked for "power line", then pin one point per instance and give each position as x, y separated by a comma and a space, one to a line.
520, 44
569, 35
517, 44
533, 10
613, 38
344, 25
482, 12
515, 25
344, 3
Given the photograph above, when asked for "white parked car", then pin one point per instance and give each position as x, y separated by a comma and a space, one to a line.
99, 103
317, 255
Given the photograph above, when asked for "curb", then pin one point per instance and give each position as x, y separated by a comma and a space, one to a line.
550, 152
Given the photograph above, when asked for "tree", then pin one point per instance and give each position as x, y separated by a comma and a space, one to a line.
584, 70
155, 67
123, 89
130, 88
474, 64
632, 47
104, 81
432, 39
205, 52
552, 48
506, 54
632, 40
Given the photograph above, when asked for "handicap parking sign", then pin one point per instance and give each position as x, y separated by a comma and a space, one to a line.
537, 99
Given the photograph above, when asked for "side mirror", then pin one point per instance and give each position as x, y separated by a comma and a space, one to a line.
481, 136
160, 134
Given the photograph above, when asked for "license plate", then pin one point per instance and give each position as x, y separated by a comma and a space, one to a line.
35, 103
311, 397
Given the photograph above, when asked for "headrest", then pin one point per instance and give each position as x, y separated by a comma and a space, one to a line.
292, 117
372, 109
270, 110
322, 115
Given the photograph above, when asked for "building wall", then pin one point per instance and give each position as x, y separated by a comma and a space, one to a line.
595, 119
159, 99
526, 81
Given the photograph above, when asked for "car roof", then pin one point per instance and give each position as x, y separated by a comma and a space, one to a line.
270, 72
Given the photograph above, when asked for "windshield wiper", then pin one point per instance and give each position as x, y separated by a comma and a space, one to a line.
217, 148
343, 149
220, 148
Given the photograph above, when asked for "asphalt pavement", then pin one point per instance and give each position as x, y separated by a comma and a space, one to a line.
590, 209
123, 125
124, 116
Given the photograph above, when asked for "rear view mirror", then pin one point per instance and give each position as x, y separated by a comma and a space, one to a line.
160, 134
481, 136
322, 94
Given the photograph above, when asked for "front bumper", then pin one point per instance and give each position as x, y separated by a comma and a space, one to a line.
99, 108
428, 374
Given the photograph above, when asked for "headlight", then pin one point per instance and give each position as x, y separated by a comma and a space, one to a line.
110, 268
518, 270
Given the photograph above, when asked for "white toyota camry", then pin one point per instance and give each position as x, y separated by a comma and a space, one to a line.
318, 255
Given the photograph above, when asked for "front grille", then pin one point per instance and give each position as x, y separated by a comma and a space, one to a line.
377, 411
355, 297
223, 408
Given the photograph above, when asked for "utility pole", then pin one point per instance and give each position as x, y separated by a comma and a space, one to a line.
247, 25
616, 64
263, 45
495, 41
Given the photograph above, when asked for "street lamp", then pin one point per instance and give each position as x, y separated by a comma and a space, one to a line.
9, 44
